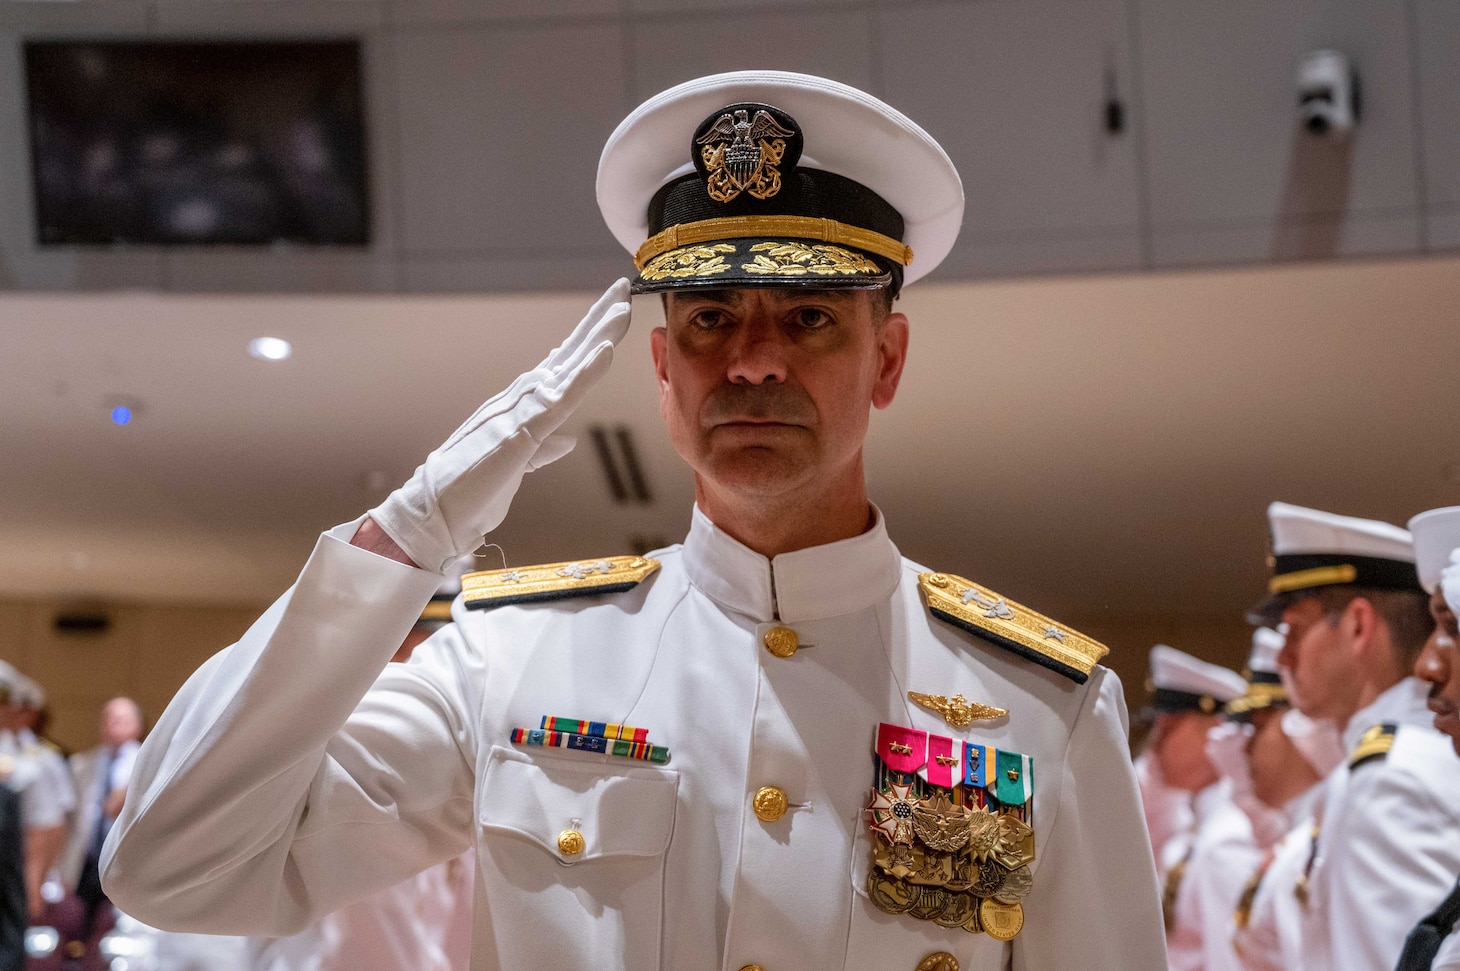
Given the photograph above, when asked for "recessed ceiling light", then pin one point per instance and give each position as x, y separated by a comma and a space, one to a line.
270, 348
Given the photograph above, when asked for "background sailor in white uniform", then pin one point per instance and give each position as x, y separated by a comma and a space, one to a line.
1203, 867
1386, 849
1280, 760
1433, 945
291, 775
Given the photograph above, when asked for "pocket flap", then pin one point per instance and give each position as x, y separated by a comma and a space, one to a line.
618, 810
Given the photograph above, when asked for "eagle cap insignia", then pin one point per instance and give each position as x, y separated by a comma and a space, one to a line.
743, 147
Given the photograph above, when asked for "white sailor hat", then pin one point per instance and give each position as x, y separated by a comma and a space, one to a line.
1436, 533
767, 178
1264, 683
1181, 682
1314, 549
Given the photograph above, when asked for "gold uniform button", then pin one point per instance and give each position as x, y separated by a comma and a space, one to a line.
781, 641
752, 967
938, 961
570, 842
770, 803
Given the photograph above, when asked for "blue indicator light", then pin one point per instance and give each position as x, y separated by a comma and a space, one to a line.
121, 415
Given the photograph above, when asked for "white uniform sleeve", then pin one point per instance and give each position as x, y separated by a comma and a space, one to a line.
1095, 903
269, 792
1394, 861
48, 799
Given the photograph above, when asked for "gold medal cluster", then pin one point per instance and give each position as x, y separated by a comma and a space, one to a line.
955, 866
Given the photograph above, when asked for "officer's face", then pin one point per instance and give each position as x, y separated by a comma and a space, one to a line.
1437, 664
766, 392
1181, 750
1322, 660
1279, 771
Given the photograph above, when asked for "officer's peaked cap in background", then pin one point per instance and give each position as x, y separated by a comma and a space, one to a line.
1264, 684
1436, 534
1313, 549
1181, 682
767, 178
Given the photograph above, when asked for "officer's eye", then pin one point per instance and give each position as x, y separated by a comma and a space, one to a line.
707, 319
811, 318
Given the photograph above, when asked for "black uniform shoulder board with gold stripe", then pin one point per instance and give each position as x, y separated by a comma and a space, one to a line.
554, 581
1031, 635
1373, 745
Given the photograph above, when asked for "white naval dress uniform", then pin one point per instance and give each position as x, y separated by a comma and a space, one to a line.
1388, 849
1219, 857
407, 927
45, 796
1271, 938
281, 783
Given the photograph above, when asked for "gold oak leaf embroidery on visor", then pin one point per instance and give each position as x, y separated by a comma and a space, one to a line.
798, 259
691, 261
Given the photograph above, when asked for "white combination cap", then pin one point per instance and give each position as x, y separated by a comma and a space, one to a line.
768, 178
1314, 549
1185, 683
1264, 684
1436, 533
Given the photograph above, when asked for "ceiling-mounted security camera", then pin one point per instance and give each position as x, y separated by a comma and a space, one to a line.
1327, 93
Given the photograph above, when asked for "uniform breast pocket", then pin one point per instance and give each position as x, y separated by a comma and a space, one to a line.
572, 856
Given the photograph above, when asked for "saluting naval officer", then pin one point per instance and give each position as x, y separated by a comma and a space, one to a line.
1386, 848
778, 745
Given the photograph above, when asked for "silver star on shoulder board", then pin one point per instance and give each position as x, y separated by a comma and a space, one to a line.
511, 576
1054, 633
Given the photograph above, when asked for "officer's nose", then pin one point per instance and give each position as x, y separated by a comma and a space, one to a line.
1432, 665
758, 352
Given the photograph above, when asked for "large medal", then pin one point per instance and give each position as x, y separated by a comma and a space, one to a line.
952, 831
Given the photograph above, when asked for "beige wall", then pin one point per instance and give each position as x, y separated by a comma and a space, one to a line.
146, 654
151, 649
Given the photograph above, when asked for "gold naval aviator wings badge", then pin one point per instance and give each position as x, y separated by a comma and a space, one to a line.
957, 711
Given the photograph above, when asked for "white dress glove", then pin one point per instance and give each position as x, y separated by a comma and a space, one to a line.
462, 491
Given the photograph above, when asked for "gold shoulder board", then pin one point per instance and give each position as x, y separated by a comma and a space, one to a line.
1374, 745
1031, 635
554, 581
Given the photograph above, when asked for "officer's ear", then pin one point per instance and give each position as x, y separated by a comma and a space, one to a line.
658, 337
892, 338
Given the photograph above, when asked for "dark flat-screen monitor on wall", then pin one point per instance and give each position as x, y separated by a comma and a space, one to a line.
197, 143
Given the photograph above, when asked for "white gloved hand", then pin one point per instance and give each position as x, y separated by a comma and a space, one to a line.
462, 491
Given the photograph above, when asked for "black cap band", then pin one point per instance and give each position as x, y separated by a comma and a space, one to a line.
1169, 701
1301, 571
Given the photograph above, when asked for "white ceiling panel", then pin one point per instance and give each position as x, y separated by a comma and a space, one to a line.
414, 12
671, 49
1287, 240
1016, 94
1437, 62
500, 130
1224, 142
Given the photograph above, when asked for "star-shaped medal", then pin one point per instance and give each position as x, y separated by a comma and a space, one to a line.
892, 812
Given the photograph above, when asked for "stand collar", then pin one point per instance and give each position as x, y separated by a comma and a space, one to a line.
810, 584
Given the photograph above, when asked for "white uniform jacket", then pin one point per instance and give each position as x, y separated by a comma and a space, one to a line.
1448, 957
290, 775
1221, 857
1389, 843
1269, 935
39, 774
